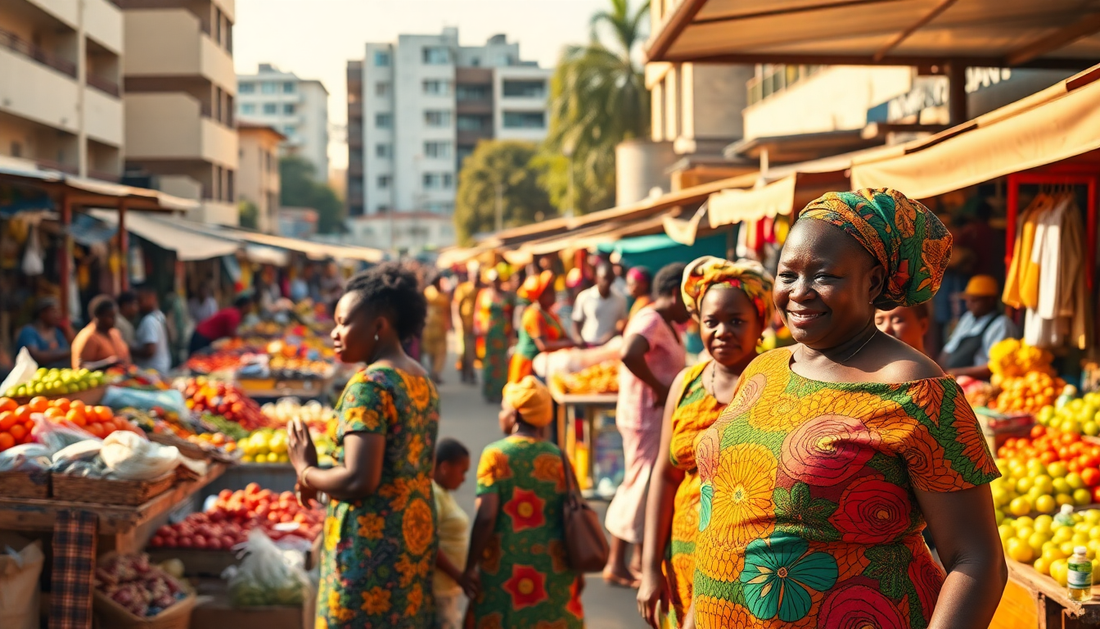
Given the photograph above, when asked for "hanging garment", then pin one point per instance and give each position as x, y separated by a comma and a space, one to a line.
1021, 256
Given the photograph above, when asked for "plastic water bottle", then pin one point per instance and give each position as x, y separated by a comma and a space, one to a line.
1064, 517
1079, 579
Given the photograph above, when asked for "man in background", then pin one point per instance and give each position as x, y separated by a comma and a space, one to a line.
599, 309
151, 349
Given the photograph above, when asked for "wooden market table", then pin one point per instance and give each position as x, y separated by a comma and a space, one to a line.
1034, 601
565, 408
124, 529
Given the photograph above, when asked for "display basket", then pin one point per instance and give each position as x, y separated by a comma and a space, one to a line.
114, 616
110, 491
23, 484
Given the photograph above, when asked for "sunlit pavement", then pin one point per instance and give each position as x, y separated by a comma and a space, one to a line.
469, 419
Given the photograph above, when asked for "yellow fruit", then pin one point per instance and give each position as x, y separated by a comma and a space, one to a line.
1021, 506
1042, 565
1019, 550
272, 457
1059, 571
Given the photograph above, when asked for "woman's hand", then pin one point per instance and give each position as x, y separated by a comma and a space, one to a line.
689, 618
471, 584
306, 495
653, 596
299, 446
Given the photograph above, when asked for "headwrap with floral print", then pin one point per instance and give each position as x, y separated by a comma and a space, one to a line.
747, 275
904, 236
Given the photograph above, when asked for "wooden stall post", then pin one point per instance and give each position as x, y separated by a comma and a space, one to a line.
124, 248
65, 262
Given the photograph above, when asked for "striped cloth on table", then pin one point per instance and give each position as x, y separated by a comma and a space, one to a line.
74, 543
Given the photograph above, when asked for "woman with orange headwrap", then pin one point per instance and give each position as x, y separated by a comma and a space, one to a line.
540, 330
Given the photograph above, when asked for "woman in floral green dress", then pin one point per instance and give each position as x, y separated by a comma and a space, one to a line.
493, 320
516, 572
379, 536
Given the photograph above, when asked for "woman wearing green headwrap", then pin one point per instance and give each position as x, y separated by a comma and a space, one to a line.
818, 479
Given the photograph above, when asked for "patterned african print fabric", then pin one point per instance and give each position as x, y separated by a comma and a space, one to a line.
525, 581
536, 324
905, 237
379, 552
748, 275
494, 319
694, 414
808, 516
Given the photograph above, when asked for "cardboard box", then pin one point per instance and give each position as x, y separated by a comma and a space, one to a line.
215, 610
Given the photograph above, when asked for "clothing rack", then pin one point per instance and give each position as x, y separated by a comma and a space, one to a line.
1056, 175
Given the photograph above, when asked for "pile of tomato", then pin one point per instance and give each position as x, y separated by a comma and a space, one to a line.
17, 421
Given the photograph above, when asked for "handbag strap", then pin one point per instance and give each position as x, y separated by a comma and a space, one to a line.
567, 470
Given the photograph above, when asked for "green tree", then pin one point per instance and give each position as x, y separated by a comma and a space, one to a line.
300, 189
598, 99
249, 213
507, 164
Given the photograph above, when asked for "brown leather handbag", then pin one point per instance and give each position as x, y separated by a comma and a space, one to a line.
586, 547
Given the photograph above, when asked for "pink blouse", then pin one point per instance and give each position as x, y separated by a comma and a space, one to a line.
666, 358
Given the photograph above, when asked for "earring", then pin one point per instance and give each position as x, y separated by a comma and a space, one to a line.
375, 337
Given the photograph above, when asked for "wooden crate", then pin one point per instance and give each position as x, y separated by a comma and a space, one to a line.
114, 616
25, 484
1034, 601
197, 563
110, 492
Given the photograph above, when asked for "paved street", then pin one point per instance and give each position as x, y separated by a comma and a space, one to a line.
473, 422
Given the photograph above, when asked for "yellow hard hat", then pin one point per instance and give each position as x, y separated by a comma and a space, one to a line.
982, 286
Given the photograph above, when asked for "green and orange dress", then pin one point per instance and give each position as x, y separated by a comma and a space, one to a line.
695, 411
808, 516
525, 579
379, 552
536, 324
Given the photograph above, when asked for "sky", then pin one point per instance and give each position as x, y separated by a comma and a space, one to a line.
315, 38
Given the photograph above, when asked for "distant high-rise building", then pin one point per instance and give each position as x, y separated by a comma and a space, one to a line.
418, 107
297, 108
60, 77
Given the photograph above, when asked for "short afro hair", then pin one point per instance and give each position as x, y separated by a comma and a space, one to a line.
392, 291
668, 279
127, 298
100, 305
449, 451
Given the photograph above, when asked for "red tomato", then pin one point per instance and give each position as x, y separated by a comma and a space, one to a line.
1090, 476
186, 541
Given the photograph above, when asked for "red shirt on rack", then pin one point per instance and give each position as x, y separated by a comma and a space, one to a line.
220, 326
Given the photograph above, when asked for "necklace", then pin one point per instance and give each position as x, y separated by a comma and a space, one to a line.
853, 354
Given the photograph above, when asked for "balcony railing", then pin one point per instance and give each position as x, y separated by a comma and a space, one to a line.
49, 164
778, 78
12, 42
104, 85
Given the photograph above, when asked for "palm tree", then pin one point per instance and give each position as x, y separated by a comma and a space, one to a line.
598, 99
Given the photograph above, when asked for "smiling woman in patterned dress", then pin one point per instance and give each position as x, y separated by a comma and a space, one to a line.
818, 479
732, 303
379, 539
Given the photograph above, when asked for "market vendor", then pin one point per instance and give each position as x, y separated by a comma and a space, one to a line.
222, 325
980, 328
541, 330
598, 310
100, 344
45, 340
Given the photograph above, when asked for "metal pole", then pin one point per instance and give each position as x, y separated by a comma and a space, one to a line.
500, 207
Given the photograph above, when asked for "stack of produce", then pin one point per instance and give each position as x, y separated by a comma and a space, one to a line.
17, 425
601, 378
224, 399
143, 590
315, 415
1045, 471
236, 513
1023, 376
977, 392
58, 382
267, 445
1047, 541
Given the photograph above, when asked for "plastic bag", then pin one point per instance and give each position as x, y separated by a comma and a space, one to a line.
29, 457
32, 258
20, 566
58, 436
266, 576
132, 457
23, 372
82, 451
170, 400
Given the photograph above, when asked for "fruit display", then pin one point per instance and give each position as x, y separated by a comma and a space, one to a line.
315, 415
267, 445
977, 392
58, 382
600, 378
1080, 416
1027, 394
1045, 471
1012, 358
1046, 541
17, 424
234, 514
225, 399
143, 590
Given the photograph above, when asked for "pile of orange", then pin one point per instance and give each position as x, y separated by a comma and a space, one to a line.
1029, 393
16, 422
601, 378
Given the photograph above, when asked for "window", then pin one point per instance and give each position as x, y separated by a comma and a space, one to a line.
437, 149
271, 109
437, 87
437, 118
288, 109
524, 89
247, 88
381, 59
382, 89
440, 207
475, 62
288, 131
438, 181
383, 121
383, 150
383, 208
473, 92
16, 149
267, 87
384, 181
289, 87
248, 108
436, 56
472, 123
463, 153
524, 120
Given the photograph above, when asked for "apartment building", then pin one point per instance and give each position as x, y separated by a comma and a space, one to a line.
297, 108
180, 90
60, 76
418, 107
258, 172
